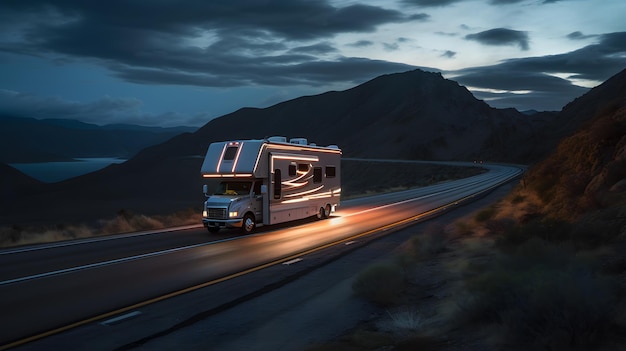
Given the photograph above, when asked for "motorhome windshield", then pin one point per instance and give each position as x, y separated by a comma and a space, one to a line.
233, 188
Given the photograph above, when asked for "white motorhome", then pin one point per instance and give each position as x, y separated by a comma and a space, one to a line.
270, 181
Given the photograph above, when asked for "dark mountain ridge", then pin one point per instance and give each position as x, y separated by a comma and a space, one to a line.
410, 115
32, 140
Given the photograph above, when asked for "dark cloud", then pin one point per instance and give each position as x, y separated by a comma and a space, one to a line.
536, 75
362, 43
431, 3
315, 49
579, 36
420, 17
200, 43
449, 54
504, 2
501, 36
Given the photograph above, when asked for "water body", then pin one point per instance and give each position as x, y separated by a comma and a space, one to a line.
51, 172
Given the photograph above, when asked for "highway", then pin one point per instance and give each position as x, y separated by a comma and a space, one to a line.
49, 288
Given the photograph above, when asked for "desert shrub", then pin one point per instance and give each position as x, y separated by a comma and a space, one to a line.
544, 228
431, 242
543, 296
518, 199
485, 214
401, 321
463, 228
500, 226
381, 283
589, 235
10, 235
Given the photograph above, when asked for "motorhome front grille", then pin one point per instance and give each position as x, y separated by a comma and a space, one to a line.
217, 213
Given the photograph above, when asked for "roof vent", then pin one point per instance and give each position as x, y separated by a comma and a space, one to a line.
299, 141
277, 139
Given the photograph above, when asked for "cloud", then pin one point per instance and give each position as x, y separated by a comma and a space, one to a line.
106, 110
543, 79
501, 36
504, 2
362, 43
449, 54
579, 36
315, 49
199, 43
431, 3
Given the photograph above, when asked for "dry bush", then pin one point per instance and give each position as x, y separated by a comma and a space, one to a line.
401, 321
381, 283
431, 242
543, 296
485, 214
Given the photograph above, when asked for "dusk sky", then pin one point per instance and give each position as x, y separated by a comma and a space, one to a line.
171, 63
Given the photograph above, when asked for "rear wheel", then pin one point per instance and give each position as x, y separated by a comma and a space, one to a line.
327, 209
248, 224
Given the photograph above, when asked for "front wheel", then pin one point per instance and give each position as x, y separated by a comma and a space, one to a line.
248, 224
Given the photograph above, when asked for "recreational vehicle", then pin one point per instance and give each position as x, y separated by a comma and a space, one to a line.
269, 181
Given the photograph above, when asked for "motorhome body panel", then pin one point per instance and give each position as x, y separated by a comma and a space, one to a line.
300, 179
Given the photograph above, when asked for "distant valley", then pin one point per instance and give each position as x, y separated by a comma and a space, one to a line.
25, 140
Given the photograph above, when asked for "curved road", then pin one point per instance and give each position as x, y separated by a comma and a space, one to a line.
48, 287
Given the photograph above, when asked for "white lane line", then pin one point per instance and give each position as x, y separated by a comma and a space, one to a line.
290, 262
349, 242
120, 319
100, 264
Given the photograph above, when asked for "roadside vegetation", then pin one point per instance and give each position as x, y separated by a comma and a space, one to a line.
542, 269
124, 222
359, 178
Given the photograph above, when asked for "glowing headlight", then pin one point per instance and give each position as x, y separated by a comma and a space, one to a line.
205, 214
233, 214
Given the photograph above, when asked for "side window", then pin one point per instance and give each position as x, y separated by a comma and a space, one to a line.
317, 175
331, 172
257, 187
277, 184
292, 170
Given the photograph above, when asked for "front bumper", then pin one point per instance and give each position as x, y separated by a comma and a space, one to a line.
228, 223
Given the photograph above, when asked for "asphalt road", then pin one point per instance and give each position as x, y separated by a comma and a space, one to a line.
47, 287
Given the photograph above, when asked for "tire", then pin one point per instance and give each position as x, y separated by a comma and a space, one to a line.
321, 213
213, 229
327, 211
248, 224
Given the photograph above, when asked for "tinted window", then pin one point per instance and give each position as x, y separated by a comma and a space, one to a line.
317, 175
303, 167
292, 170
331, 171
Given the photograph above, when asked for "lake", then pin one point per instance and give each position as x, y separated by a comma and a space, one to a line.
51, 172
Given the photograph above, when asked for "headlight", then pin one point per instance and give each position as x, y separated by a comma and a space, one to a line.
233, 214
205, 214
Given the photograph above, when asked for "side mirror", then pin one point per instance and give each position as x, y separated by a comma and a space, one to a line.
205, 189
263, 189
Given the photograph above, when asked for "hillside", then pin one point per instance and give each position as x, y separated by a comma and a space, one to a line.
410, 115
33, 140
587, 171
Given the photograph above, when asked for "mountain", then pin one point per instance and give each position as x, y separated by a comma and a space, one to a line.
33, 140
410, 115
587, 171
